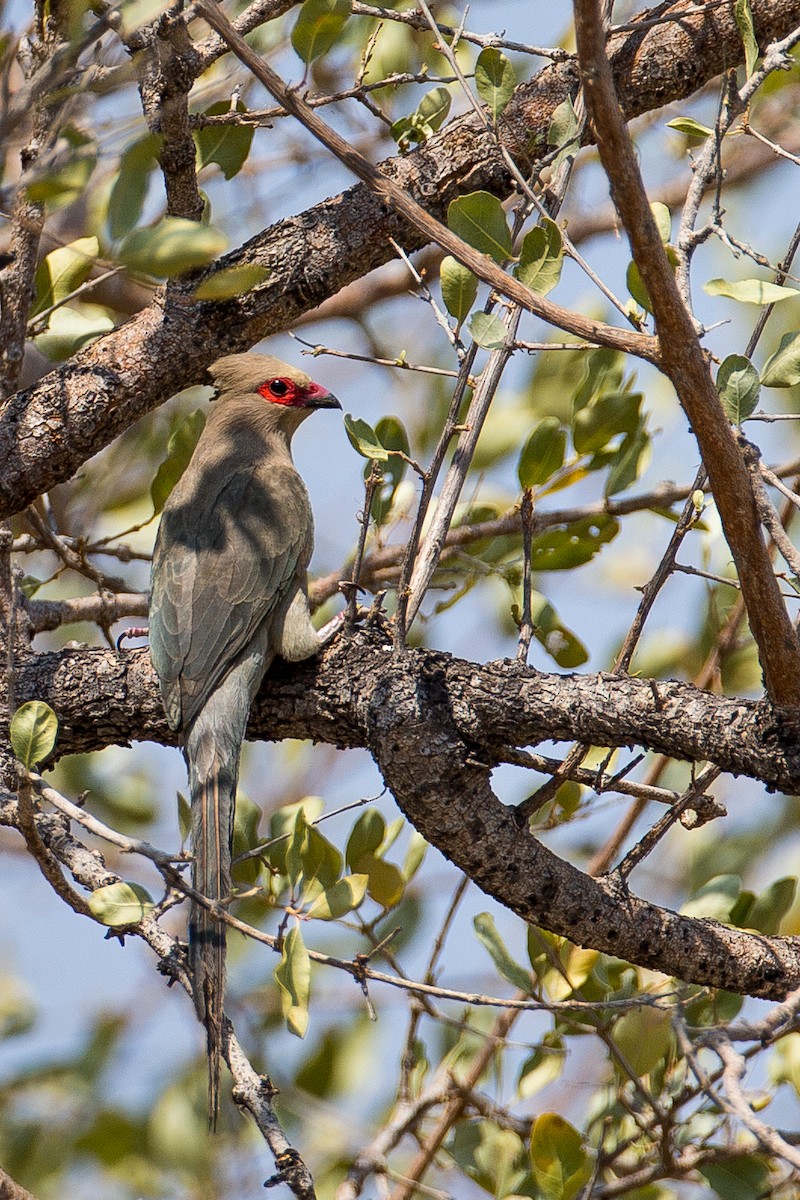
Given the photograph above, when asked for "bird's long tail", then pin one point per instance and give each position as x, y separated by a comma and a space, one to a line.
212, 748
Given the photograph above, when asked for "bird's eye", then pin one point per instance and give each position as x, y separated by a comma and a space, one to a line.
279, 387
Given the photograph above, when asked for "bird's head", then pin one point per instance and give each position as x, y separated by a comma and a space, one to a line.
274, 381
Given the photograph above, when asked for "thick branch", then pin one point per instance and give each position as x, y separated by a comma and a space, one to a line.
109, 385
685, 363
432, 723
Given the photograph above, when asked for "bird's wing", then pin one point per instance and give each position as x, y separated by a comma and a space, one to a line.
228, 556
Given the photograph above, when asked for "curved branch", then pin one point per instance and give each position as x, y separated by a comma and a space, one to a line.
104, 388
431, 723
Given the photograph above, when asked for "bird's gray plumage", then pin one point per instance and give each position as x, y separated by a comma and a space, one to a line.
228, 594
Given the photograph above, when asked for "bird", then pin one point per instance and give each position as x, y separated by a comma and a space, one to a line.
229, 592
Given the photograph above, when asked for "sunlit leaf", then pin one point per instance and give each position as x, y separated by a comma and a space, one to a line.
121, 903
391, 434
772, 905
644, 1036
629, 462
715, 899
495, 80
226, 145
543, 453
293, 976
564, 132
783, 368
512, 971
364, 439
561, 549
743, 14
459, 288
479, 219
738, 386
232, 281
73, 326
386, 881
171, 247
415, 855
365, 837
180, 448
63, 270
690, 127
560, 1164
560, 642
318, 27
541, 257
487, 330
33, 732
750, 291
605, 417
339, 899
128, 195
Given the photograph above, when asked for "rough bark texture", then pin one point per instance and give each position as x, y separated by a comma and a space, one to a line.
434, 723
47, 432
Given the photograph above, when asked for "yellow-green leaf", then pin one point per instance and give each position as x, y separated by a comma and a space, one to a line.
495, 80
543, 453
230, 282
33, 732
364, 439
560, 1164
487, 330
690, 127
541, 257
63, 270
171, 247
293, 976
318, 27
226, 145
180, 449
479, 219
782, 369
511, 970
340, 899
738, 386
121, 903
459, 288
750, 291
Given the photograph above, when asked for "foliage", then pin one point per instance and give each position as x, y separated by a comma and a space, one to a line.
418, 1032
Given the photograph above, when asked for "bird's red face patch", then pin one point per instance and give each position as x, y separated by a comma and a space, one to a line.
284, 391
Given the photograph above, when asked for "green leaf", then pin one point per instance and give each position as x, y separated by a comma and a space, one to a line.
63, 270
487, 331
743, 15
60, 180
72, 326
738, 386
365, 837
544, 1066
560, 642
783, 368
126, 202
628, 463
744, 1178
495, 80
415, 855
386, 881
769, 909
690, 127
226, 145
320, 860
479, 219
459, 288
564, 132
231, 281
433, 108
293, 977
339, 899
282, 825
180, 448
575, 544
663, 219
603, 418
171, 247
364, 439
543, 453
750, 291
33, 732
560, 1164
715, 899
121, 903
318, 27
184, 816
391, 434
644, 1036
541, 257
512, 971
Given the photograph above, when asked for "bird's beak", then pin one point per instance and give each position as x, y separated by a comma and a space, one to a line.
320, 397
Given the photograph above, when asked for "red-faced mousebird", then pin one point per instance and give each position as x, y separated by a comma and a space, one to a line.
229, 593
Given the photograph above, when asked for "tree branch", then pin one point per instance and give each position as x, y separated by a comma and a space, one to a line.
86, 403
